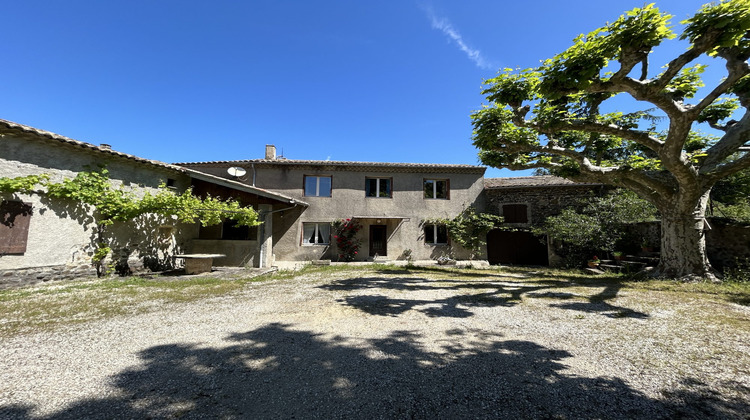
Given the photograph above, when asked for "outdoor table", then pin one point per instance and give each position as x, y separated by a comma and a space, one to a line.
198, 263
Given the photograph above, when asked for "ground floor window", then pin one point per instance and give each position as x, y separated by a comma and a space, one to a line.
316, 233
435, 234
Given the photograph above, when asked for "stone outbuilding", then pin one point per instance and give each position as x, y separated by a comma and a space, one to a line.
43, 238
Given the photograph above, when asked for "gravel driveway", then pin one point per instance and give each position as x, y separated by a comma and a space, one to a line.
394, 343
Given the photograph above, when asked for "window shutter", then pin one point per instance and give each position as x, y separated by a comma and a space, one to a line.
14, 226
515, 213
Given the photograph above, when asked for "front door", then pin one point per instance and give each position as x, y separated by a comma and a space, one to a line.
378, 240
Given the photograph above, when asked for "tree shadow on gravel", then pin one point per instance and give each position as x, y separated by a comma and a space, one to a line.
278, 371
496, 291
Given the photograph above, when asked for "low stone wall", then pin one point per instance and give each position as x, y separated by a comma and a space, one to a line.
29, 276
727, 243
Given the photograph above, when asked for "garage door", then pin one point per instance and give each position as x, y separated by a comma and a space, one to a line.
520, 248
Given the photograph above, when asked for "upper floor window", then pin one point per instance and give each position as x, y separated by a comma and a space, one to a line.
316, 233
378, 187
435, 234
515, 213
436, 188
317, 186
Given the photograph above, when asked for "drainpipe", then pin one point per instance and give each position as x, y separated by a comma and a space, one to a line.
252, 165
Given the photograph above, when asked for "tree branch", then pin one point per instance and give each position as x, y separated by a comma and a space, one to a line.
736, 69
640, 137
609, 175
736, 136
727, 169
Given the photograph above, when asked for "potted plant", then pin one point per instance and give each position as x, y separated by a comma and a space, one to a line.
617, 255
594, 262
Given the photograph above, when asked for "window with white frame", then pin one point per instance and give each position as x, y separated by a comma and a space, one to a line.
378, 187
316, 233
435, 234
436, 188
317, 186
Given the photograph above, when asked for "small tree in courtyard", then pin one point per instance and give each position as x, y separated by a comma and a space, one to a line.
598, 227
553, 117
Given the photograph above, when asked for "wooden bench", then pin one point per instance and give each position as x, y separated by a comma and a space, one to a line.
199, 263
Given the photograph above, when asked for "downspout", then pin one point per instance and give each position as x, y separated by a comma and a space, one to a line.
252, 165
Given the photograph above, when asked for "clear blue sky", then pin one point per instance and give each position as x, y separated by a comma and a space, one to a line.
182, 81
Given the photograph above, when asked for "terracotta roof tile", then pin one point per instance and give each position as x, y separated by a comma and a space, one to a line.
300, 162
6, 126
531, 182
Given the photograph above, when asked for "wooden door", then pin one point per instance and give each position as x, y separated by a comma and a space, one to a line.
522, 248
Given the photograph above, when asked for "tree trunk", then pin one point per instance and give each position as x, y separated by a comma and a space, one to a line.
683, 242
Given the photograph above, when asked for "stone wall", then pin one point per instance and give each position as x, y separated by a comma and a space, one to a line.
29, 276
727, 243
542, 202
62, 233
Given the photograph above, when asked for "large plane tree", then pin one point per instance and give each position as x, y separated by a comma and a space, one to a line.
568, 116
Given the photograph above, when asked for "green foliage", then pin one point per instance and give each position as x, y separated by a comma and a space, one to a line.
734, 189
555, 116
687, 82
21, 184
719, 110
95, 188
738, 212
469, 229
740, 273
345, 234
599, 225
110, 204
638, 31
727, 21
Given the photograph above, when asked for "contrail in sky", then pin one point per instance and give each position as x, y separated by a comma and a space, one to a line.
447, 28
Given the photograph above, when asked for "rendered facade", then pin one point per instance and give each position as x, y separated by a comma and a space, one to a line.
297, 201
391, 201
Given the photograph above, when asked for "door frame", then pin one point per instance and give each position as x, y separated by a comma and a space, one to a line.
384, 230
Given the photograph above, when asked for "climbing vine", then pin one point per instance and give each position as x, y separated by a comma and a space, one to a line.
110, 204
21, 184
469, 229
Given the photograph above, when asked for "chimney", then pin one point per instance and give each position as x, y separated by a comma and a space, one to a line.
270, 152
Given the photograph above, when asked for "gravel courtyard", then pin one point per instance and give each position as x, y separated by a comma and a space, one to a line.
389, 342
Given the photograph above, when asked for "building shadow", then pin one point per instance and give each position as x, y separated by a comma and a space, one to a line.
279, 371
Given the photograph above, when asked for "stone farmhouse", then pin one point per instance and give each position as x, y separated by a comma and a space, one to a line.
297, 201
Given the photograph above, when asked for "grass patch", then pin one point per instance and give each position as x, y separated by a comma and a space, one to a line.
50, 306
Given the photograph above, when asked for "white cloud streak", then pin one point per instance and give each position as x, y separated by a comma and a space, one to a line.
447, 28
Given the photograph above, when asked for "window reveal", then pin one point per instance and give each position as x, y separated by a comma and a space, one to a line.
317, 186
436, 188
378, 187
435, 234
316, 233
